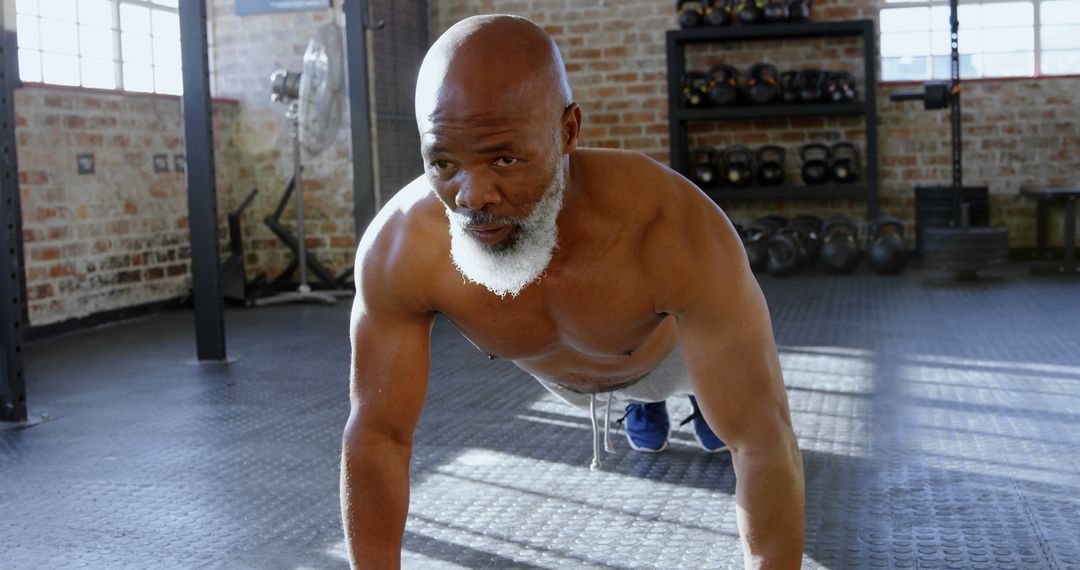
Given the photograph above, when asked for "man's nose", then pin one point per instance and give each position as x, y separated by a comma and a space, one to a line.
477, 192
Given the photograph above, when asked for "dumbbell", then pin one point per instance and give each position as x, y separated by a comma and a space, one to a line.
886, 251
691, 13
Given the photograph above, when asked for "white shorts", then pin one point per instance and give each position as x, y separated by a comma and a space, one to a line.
668, 379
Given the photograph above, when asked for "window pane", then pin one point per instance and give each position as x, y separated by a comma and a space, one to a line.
138, 77
135, 19
136, 48
169, 3
58, 9
1060, 37
99, 73
1008, 15
26, 6
96, 42
168, 80
970, 17
166, 53
60, 69
905, 20
59, 37
1007, 64
1061, 12
908, 43
943, 70
27, 30
1061, 62
29, 65
971, 41
899, 68
166, 25
95, 13
1009, 39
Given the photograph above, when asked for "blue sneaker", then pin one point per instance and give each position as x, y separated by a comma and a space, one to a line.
647, 426
706, 439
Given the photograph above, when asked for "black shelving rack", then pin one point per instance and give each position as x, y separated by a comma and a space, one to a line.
679, 117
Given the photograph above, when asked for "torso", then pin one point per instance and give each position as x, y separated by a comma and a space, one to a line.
591, 323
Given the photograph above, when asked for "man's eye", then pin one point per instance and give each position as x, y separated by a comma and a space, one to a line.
441, 165
506, 161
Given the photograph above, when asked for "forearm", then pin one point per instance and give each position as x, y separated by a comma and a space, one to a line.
374, 499
770, 495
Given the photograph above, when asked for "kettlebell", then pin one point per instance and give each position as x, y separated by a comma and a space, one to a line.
809, 84
704, 170
839, 245
718, 13
784, 255
845, 82
799, 10
816, 159
763, 87
739, 165
691, 13
773, 221
723, 85
812, 226
789, 93
886, 251
770, 169
749, 13
775, 11
695, 89
756, 241
844, 168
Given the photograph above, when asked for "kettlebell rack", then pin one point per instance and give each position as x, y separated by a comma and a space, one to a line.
680, 117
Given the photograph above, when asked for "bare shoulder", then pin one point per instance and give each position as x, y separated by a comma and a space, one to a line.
395, 257
684, 236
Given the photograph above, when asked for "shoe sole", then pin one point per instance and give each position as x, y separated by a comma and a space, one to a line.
649, 450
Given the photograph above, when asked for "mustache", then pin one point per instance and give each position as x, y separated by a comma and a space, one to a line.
482, 218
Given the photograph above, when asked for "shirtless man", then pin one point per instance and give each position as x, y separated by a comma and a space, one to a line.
592, 270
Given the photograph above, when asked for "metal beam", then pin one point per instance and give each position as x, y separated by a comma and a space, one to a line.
13, 311
356, 26
202, 193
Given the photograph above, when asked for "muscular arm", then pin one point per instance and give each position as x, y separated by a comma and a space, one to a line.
390, 337
731, 355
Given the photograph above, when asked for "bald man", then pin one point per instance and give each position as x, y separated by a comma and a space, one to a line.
601, 273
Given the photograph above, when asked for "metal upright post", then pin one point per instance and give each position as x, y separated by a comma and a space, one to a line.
356, 26
954, 89
202, 193
12, 279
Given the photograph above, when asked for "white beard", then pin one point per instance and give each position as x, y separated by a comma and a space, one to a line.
506, 268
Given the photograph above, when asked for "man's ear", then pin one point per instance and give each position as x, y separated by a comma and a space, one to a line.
570, 128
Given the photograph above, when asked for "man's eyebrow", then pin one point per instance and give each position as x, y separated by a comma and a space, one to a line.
497, 147
435, 149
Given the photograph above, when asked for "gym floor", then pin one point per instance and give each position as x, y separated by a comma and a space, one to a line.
937, 423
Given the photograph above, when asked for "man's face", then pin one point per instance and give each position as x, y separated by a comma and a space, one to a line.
501, 179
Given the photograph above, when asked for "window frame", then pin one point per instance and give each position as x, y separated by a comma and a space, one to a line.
118, 51
1036, 47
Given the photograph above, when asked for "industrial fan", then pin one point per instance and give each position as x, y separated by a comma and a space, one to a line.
314, 99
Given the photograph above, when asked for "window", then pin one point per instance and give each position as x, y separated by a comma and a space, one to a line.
132, 45
998, 38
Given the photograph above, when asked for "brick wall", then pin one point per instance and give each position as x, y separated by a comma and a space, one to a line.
245, 50
117, 237
1016, 132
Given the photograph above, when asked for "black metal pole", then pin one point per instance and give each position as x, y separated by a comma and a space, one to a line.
356, 26
957, 145
202, 193
12, 279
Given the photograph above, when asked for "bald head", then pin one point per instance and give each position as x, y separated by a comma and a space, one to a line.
488, 65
